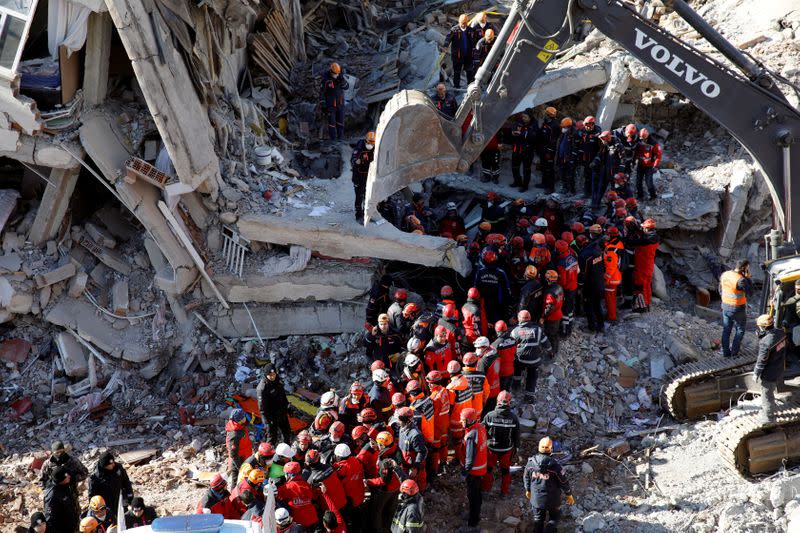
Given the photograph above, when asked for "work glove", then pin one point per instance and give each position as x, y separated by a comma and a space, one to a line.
570, 499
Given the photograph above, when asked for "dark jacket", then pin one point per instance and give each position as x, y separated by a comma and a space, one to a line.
447, 106
378, 302
592, 268
110, 484
360, 160
492, 282
77, 471
272, 401
149, 514
61, 509
332, 93
502, 429
532, 343
545, 480
380, 345
771, 355
530, 298
523, 137
409, 516
461, 43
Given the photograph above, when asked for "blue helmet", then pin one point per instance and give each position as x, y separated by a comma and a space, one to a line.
237, 415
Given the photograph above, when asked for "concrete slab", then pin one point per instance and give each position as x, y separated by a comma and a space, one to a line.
278, 320
103, 145
563, 82
73, 355
320, 280
81, 316
734, 203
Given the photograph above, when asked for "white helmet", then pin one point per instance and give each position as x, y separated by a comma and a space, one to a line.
342, 450
541, 222
412, 360
380, 375
284, 450
451, 206
413, 344
282, 517
481, 342
328, 399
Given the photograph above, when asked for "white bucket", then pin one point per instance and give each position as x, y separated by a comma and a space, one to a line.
263, 155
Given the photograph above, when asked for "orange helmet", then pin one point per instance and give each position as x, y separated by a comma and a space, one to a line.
539, 239
385, 439
89, 525
335, 68
370, 137
649, 224
410, 310
531, 272
566, 123
256, 476
551, 276
500, 326
550, 111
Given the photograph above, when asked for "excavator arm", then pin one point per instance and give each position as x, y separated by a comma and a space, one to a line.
414, 142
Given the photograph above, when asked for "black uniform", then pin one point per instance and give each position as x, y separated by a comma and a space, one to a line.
383, 346
332, 97
589, 146
769, 367
146, 518
61, 509
532, 346
359, 161
592, 268
602, 167
492, 282
461, 43
378, 299
544, 479
446, 105
482, 49
274, 407
548, 137
77, 471
523, 139
530, 298
110, 483
409, 515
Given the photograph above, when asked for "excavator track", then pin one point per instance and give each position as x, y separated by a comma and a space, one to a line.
753, 447
673, 392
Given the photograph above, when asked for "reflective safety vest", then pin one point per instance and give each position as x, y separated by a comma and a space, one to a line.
480, 388
441, 405
481, 449
728, 291
460, 393
611, 256
425, 415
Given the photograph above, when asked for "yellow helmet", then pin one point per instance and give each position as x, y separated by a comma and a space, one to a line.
97, 503
384, 438
89, 524
546, 445
256, 476
244, 471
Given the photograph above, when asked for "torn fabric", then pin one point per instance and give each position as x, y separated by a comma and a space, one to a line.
67, 25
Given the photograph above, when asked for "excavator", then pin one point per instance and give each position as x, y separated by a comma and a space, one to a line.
415, 142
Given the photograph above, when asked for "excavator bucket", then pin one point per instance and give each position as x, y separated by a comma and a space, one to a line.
413, 142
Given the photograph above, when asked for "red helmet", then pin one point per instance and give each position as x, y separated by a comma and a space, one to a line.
337, 430
631, 202
549, 239
358, 432
538, 239
410, 309
497, 239
440, 330
630, 130
577, 228
377, 365
367, 415
524, 316
409, 487
470, 359
579, 204
265, 449
413, 386
523, 222
469, 415
323, 422
400, 295
581, 240
473, 293
446, 292
500, 326
398, 398
449, 311
489, 257
643, 133
620, 212
218, 482
304, 437
292, 468
619, 202
649, 224
589, 120
405, 413
517, 243
612, 231
491, 196
562, 247
606, 135
611, 196
580, 125
602, 220
504, 398
312, 457
567, 236
542, 256
434, 376
620, 176
630, 220
357, 388
453, 368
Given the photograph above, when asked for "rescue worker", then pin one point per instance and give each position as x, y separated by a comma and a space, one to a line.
378, 300
580, 143
139, 514
612, 257
547, 141
273, 406
409, 515
455, 333
380, 398
644, 259
553, 311
327, 414
439, 352
592, 269
302, 444
492, 212
623, 189
383, 342
399, 299
477, 381
506, 347
474, 316
323, 474
502, 431
413, 448
475, 462
460, 398
489, 366
648, 159
531, 294
417, 209
363, 154
109, 480
770, 364
217, 499
440, 397
334, 84
480, 25
283, 454
628, 143
298, 497
452, 222
482, 49
89, 525
445, 299
366, 450
591, 145
544, 482
261, 459
61, 502
733, 288
403, 322
38, 523
444, 101
532, 345
492, 283
384, 490
253, 484
602, 166
99, 511
284, 522
567, 269
461, 40
523, 141
425, 418
58, 458
490, 161
566, 155
237, 442
352, 404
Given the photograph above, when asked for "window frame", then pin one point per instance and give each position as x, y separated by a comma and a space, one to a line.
6, 12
